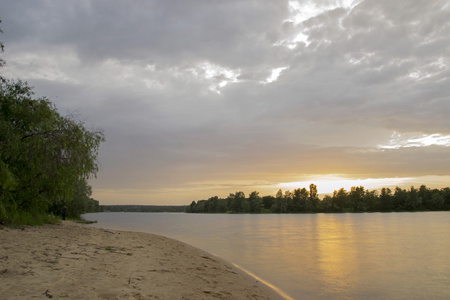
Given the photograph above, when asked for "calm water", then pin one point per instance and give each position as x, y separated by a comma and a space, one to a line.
318, 256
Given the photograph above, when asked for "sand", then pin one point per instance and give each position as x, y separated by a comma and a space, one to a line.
73, 261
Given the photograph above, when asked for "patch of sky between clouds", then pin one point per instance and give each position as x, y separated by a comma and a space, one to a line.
360, 59
274, 75
398, 141
302, 10
433, 69
217, 76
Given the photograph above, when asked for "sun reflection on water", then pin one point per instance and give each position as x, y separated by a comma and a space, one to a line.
337, 259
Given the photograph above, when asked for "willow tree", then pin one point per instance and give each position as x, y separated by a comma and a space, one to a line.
43, 155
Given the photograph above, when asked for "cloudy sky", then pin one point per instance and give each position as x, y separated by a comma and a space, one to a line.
202, 98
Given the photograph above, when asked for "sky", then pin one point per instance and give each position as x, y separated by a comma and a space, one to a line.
205, 98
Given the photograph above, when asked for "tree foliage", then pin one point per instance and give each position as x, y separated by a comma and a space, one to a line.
80, 202
43, 155
358, 199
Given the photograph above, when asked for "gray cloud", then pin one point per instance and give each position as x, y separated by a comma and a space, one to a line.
160, 32
178, 86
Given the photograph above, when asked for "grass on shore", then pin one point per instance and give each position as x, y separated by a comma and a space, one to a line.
30, 218
37, 219
80, 220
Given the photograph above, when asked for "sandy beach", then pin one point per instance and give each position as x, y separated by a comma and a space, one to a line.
73, 261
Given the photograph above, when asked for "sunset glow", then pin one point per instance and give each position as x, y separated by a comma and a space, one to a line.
329, 184
204, 99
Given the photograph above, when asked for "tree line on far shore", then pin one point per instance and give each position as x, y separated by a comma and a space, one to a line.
143, 208
301, 200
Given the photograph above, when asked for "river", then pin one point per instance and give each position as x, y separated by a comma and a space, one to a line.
318, 256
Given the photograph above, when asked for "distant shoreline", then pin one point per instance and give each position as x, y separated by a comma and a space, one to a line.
143, 208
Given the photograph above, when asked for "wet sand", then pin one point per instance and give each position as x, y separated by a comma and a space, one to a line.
73, 261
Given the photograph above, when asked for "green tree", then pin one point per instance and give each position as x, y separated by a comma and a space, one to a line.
437, 201
255, 202
200, 207
230, 201
268, 201
213, 204
425, 194
371, 200
356, 198
280, 205
445, 192
326, 204
191, 207
222, 206
313, 197
386, 199
413, 201
82, 201
400, 198
237, 203
340, 200
300, 196
42, 154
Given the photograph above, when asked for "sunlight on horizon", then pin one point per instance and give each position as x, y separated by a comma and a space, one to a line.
329, 184
326, 184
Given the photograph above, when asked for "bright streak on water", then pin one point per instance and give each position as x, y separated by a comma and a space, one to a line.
276, 289
318, 256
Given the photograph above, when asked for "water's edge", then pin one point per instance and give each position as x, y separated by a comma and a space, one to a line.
273, 291
316, 257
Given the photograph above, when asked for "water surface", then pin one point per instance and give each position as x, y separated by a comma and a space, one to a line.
318, 256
